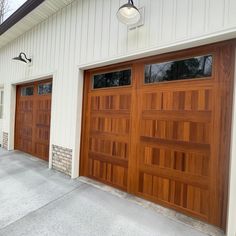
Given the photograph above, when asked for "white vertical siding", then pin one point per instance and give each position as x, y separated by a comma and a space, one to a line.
217, 8
182, 16
87, 31
198, 17
155, 25
230, 13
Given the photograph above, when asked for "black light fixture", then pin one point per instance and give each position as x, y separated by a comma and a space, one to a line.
129, 14
22, 57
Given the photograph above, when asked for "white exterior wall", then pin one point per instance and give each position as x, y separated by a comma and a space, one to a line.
1, 118
86, 34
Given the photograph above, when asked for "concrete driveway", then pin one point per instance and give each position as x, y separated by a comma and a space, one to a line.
37, 201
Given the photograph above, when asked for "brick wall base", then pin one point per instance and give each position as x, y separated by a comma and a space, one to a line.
5, 140
62, 159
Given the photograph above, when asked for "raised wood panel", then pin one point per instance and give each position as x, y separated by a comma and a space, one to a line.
186, 100
109, 173
110, 125
194, 132
108, 139
109, 147
166, 142
190, 198
186, 162
178, 145
33, 117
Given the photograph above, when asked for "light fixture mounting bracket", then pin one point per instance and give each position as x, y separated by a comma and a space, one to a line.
141, 21
23, 58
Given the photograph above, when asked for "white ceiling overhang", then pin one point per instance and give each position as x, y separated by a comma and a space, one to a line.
39, 14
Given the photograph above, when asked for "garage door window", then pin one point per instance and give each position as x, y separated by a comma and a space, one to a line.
196, 67
112, 79
27, 91
45, 88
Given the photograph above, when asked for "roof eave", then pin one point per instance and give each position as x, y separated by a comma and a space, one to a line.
19, 14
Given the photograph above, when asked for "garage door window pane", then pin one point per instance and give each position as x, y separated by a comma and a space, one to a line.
196, 67
45, 88
27, 91
112, 79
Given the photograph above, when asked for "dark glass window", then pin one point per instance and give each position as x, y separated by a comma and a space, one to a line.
112, 79
27, 91
45, 88
196, 67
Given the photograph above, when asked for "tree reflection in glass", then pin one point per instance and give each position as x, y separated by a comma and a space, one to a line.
112, 79
196, 67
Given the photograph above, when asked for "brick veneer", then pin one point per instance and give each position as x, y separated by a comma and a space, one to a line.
5, 140
62, 159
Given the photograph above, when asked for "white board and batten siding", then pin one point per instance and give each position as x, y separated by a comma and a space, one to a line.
87, 33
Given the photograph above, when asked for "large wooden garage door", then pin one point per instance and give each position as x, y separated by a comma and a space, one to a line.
159, 128
108, 141
33, 114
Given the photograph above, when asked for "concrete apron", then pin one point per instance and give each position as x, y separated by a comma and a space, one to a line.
171, 214
37, 201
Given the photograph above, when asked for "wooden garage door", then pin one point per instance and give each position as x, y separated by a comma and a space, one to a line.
33, 114
159, 128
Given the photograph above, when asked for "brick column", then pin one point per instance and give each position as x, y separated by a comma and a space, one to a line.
62, 159
5, 140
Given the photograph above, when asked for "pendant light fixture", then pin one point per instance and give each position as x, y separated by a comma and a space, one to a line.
22, 57
129, 14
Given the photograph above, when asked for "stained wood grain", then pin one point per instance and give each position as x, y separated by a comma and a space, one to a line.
172, 139
32, 125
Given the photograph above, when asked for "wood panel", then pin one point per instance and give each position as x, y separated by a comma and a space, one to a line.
32, 127
169, 142
175, 146
108, 128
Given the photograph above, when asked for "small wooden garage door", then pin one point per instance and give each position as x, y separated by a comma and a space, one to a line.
33, 114
159, 128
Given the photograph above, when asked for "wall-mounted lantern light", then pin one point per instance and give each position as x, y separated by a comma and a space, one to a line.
22, 57
129, 14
